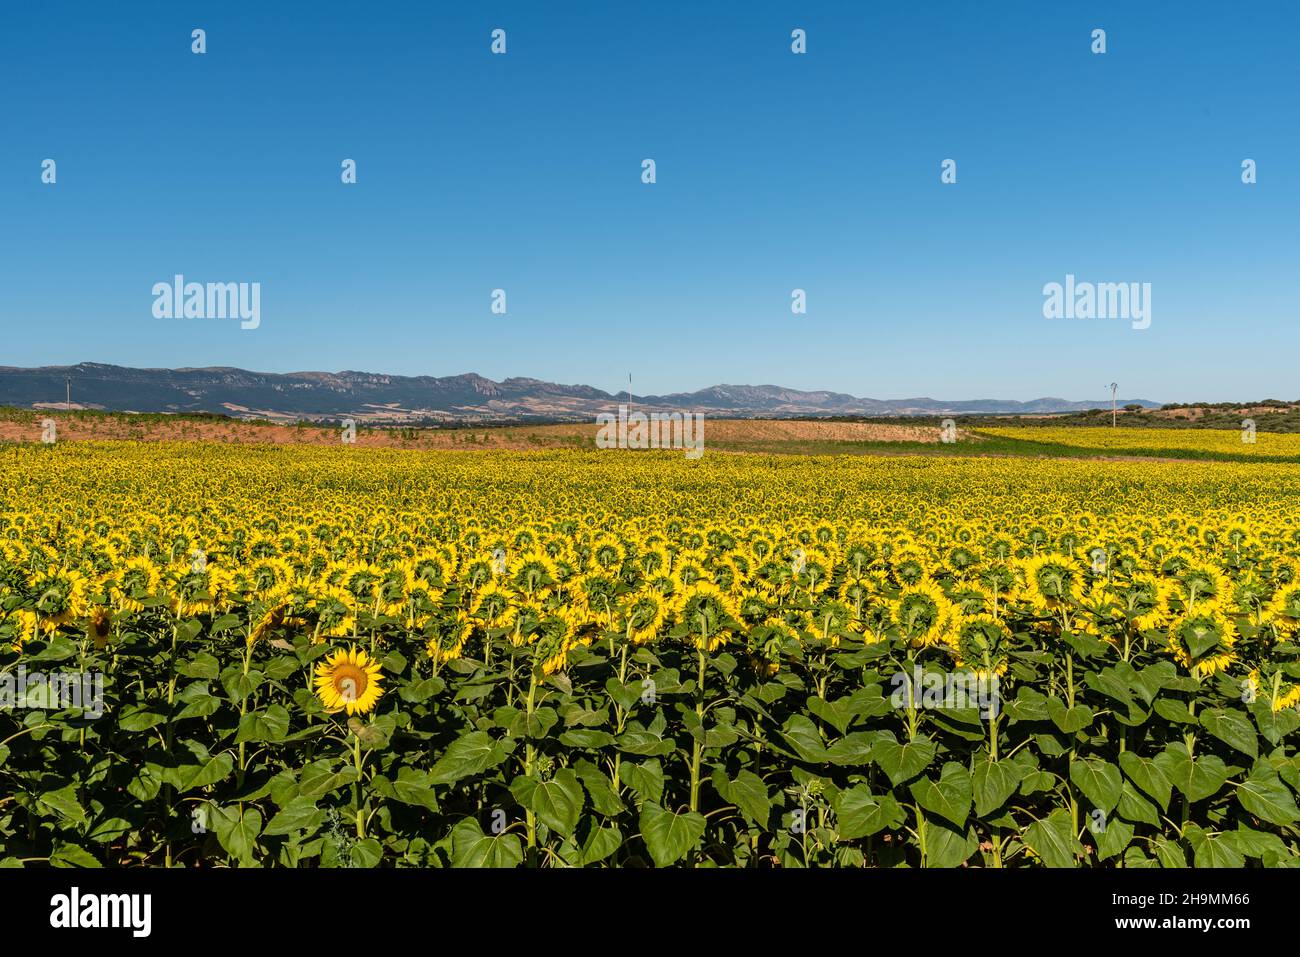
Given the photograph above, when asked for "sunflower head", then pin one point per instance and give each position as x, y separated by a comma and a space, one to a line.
348, 681
981, 644
708, 614
1284, 610
491, 605
830, 620
551, 649
1200, 582
101, 623
922, 613
1050, 581
646, 613
910, 567
1202, 640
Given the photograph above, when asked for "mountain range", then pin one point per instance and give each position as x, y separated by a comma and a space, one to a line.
392, 399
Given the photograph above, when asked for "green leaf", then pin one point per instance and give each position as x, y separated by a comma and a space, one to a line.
238, 833
624, 695
853, 750
202, 665
603, 797
1110, 683
1233, 729
748, 793
470, 847
70, 855
859, 813
198, 701
1069, 720
109, 829
995, 782
839, 714
189, 776
949, 797
1134, 806
320, 778
1198, 643
946, 846
412, 787
537, 725
366, 853
1274, 725
1052, 839
645, 743
1169, 853
669, 837
1264, 795
805, 739
299, 814
1174, 711
146, 784
600, 844
586, 738
140, 717
1114, 838
1260, 844
416, 692
1148, 776
1036, 781
1211, 850
64, 802
902, 761
468, 755
270, 725
557, 802
1100, 782
646, 779
1198, 777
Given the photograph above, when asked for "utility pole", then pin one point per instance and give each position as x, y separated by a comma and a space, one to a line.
1113, 387
67, 381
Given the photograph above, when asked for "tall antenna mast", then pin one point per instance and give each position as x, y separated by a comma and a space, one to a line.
1113, 387
67, 381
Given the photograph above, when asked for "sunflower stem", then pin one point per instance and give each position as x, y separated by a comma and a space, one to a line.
356, 786
529, 817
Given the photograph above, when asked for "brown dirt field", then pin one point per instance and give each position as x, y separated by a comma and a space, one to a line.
775, 430
722, 431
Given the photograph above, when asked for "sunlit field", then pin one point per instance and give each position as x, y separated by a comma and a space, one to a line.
1172, 441
314, 656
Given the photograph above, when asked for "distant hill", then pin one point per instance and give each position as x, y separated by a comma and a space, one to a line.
391, 399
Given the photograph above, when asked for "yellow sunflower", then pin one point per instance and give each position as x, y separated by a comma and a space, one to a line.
348, 681
1202, 640
1282, 694
923, 613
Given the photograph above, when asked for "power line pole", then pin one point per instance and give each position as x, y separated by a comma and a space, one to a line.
67, 381
1113, 387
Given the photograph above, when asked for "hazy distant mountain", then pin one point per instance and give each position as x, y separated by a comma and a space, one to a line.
381, 398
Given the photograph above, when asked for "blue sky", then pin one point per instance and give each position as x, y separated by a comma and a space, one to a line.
775, 172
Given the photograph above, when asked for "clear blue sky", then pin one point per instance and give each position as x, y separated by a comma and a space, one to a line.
775, 171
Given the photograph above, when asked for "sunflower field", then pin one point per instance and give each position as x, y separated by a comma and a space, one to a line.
1167, 441
316, 657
